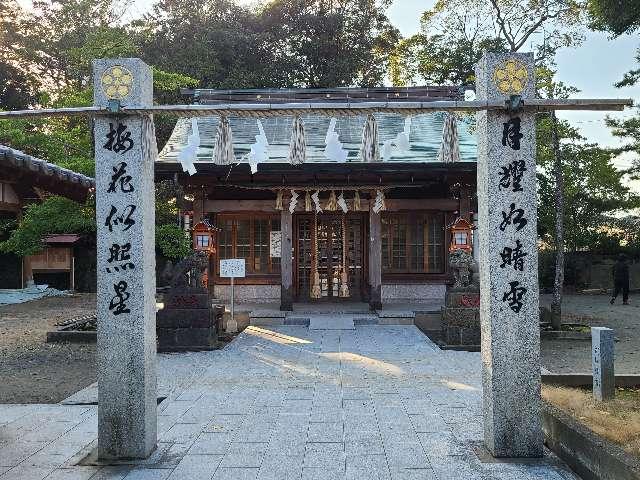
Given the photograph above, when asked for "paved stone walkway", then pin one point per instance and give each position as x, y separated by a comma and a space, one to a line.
374, 403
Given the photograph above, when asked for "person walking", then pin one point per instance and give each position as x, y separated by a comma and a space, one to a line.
621, 280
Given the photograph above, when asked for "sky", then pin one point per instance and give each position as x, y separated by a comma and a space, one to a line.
593, 67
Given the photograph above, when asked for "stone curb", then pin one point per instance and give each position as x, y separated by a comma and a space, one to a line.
588, 454
586, 380
562, 335
71, 336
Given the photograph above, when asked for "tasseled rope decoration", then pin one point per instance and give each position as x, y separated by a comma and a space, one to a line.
297, 145
356, 202
344, 276
315, 275
223, 145
279, 200
369, 150
332, 204
307, 202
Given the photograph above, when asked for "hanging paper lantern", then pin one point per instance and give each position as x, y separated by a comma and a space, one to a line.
307, 202
223, 145
369, 150
297, 145
294, 201
356, 202
332, 204
189, 153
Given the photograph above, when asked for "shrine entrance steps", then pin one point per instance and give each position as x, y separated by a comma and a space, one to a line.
345, 316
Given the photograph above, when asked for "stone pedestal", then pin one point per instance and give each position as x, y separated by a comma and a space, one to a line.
186, 322
125, 150
461, 318
508, 259
602, 362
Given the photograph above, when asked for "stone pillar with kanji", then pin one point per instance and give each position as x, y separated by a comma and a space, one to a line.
508, 257
125, 151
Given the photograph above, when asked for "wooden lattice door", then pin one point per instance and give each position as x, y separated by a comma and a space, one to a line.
329, 242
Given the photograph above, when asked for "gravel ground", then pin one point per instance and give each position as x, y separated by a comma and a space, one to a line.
32, 371
564, 356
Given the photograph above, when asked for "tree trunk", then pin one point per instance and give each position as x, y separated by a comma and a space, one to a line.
558, 280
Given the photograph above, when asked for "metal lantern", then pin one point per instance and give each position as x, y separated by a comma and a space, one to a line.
461, 235
204, 236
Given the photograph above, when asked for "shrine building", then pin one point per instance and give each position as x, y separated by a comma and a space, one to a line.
358, 207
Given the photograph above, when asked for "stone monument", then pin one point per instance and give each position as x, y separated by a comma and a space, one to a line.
508, 257
461, 312
187, 322
602, 356
125, 151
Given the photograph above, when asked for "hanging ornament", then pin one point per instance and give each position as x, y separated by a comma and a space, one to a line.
279, 200
307, 202
401, 142
342, 203
333, 150
316, 200
189, 153
259, 150
293, 202
297, 145
315, 275
332, 204
378, 204
356, 202
369, 150
343, 291
449, 150
223, 144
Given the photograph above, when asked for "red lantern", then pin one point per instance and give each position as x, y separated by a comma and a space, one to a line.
461, 235
204, 236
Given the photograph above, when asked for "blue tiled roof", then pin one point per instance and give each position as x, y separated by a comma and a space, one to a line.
425, 138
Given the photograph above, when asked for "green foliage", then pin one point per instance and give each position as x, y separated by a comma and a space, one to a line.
172, 241
53, 215
286, 43
454, 34
614, 16
594, 190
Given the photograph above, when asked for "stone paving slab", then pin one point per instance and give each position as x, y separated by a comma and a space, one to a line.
289, 403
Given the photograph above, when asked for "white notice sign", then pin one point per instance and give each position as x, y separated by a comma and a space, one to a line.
275, 240
232, 268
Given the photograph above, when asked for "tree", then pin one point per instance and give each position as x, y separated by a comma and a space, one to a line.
594, 189
618, 17
328, 43
286, 43
454, 34
614, 16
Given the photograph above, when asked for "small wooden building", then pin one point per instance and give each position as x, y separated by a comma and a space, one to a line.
382, 233
24, 180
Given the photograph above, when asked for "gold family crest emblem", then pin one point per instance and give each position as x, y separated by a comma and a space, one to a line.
511, 77
117, 82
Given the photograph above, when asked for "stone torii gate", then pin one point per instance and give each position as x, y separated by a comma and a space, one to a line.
125, 154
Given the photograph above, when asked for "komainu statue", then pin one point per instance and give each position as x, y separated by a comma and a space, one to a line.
190, 272
464, 268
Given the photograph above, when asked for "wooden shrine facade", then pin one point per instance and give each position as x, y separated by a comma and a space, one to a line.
395, 255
